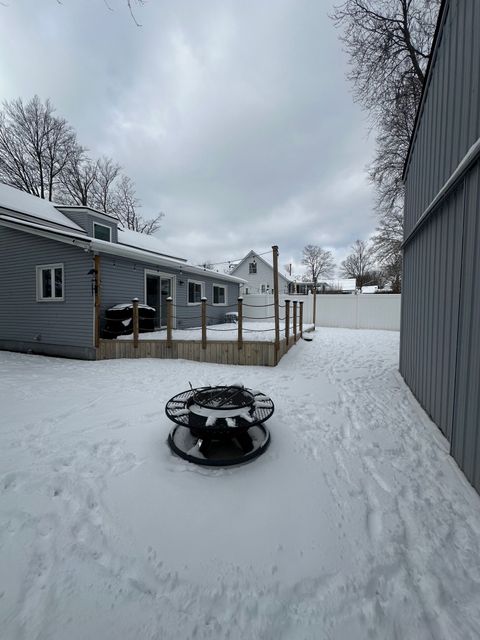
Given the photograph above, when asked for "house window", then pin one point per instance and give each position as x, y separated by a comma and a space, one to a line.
50, 283
252, 267
219, 294
102, 232
195, 292
264, 288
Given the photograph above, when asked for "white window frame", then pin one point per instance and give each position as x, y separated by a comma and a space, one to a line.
252, 264
221, 286
98, 224
39, 270
202, 292
161, 274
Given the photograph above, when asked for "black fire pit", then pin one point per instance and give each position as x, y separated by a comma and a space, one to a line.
219, 426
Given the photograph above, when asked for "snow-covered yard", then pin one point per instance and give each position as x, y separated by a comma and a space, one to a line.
355, 524
264, 331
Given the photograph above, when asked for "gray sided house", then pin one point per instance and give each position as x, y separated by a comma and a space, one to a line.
48, 255
440, 328
258, 274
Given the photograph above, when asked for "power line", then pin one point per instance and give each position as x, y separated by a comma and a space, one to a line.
216, 264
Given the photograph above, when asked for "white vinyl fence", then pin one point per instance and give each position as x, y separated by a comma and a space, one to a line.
350, 311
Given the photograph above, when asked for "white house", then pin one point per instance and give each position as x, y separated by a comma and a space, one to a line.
345, 285
258, 273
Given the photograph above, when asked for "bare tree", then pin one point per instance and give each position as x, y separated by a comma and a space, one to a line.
126, 205
104, 197
39, 154
359, 263
35, 146
319, 262
78, 181
131, 4
388, 44
387, 245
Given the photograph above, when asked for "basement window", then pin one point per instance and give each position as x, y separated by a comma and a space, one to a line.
50, 283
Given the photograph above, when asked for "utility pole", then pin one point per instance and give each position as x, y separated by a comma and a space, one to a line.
276, 299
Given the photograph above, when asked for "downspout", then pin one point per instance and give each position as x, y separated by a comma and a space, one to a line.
97, 300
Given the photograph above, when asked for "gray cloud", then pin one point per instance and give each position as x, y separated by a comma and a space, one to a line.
232, 117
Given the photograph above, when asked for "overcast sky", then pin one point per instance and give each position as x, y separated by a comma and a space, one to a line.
232, 116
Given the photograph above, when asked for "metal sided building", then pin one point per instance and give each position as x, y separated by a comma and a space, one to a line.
440, 326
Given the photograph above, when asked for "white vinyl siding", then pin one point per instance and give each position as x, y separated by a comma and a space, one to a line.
50, 283
262, 280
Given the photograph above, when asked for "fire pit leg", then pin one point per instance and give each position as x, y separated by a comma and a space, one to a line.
245, 442
203, 445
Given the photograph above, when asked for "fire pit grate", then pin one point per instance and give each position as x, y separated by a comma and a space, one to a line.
233, 397
219, 426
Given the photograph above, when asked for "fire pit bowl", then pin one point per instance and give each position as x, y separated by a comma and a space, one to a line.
219, 426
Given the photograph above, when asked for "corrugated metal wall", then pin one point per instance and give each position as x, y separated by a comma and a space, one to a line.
440, 330
466, 415
450, 114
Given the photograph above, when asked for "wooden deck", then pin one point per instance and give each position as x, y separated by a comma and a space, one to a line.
217, 351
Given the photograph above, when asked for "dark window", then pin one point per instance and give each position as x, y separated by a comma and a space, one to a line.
46, 283
194, 292
102, 232
50, 282
58, 275
252, 267
218, 294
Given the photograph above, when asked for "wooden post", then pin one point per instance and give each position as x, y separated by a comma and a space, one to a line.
294, 321
97, 300
287, 321
314, 305
240, 323
204, 323
301, 319
275, 297
169, 322
135, 322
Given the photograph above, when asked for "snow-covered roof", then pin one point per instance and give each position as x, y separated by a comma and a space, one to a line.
42, 229
137, 246
142, 241
253, 254
22, 202
112, 248
87, 208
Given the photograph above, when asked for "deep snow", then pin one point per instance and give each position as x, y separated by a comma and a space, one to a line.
355, 524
